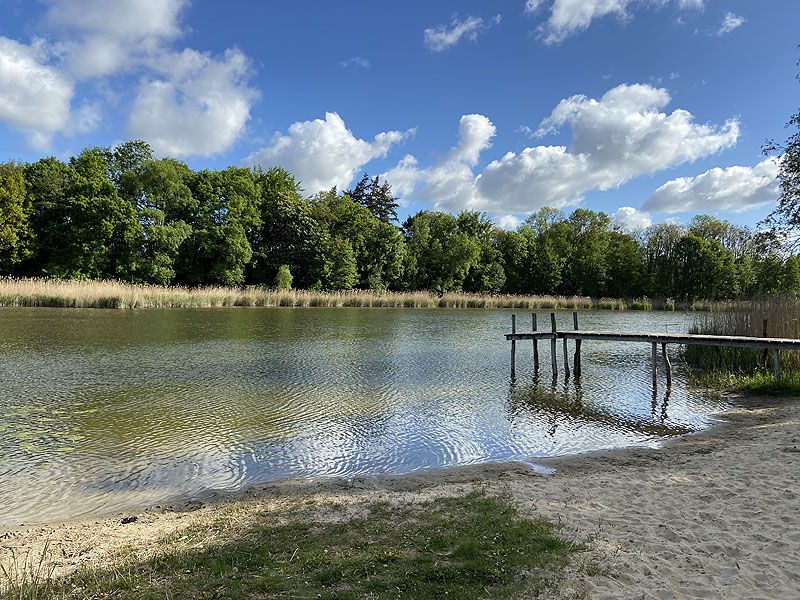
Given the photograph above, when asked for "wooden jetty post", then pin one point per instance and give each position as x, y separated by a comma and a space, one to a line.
553, 359
667, 365
777, 365
577, 368
535, 345
513, 347
655, 366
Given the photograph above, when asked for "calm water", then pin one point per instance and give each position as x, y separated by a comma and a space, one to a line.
102, 410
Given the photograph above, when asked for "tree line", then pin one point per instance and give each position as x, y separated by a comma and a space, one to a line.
120, 213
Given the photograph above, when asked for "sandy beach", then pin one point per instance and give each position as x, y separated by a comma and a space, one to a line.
710, 515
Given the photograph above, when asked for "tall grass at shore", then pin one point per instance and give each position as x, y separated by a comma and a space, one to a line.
116, 294
746, 368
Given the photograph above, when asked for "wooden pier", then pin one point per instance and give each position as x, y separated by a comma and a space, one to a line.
774, 344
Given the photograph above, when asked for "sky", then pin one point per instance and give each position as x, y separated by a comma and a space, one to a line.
648, 110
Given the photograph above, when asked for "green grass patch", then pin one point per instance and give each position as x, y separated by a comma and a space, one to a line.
759, 384
474, 546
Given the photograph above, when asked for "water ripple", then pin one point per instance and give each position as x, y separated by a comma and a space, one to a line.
104, 410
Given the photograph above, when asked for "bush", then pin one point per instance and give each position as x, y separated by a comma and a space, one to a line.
283, 280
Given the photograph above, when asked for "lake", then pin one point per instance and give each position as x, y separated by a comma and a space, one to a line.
106, 410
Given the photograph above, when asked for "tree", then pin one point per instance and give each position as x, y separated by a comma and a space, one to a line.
785, 219
377, 246
287, 234
161, 192
227, 216
438, 254
16, 205
376, 197
84, 229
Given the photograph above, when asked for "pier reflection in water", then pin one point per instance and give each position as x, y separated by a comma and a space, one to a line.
104, 410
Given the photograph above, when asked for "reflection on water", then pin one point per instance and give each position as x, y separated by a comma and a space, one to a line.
104, 410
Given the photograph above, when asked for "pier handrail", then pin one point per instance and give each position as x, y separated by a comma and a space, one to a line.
691, 339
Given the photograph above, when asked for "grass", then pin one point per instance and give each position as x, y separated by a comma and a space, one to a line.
26, 577
472, 546
743, 369
116, 294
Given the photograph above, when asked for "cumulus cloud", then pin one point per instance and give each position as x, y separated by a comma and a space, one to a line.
186, 103
450, 185
403, 178
113, 35
569, 17
508, 222
198, 106
442, 37
35, 97
324, 153
736, 189
631, 219
622, 135
729, 23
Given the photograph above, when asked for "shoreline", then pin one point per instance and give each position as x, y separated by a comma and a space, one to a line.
709, 514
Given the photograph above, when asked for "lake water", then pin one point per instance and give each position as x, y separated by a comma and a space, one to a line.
104, 410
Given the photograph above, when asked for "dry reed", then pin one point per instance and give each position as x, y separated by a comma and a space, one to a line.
116, 294
782, 315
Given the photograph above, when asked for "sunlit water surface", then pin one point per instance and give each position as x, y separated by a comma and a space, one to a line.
104, 410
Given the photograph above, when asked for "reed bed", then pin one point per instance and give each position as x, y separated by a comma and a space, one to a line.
117, 294
782, 315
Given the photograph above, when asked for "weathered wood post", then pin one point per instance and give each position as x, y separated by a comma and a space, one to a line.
566, 358
775, 354
513, 347
667, 365
765, 354
553, 359
535, 344
577, 346
655, 366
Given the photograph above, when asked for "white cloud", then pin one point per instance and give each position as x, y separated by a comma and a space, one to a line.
403, 178
199, 106
321, 154
113, 35
356, 62
186, 103
616, 138
508, 222
622, 135
450, 185
631, 219
569, 17
735, 188
442, 37
34, 96
729, 23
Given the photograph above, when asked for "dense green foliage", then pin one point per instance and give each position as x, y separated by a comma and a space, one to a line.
122, 214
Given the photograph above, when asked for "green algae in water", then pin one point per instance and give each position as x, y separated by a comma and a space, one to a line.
32, 447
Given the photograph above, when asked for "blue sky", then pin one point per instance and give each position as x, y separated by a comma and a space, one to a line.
646, 109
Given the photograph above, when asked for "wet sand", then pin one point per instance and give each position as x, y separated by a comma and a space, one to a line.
711, 515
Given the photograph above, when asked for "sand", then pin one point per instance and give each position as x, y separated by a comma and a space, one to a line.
711, 515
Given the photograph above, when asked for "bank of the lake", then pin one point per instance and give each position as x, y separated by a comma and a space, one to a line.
115, 294
711, 515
